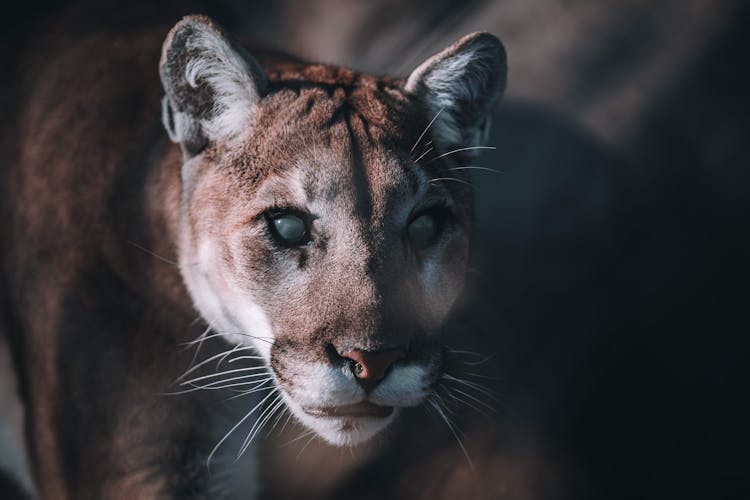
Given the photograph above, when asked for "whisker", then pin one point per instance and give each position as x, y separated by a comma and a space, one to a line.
473, 385
212, 388
152, 253
481, 361
260, 387
228, 353
305, 447
440, 399
470, 167
245, 357
214, 335
279, 406
471, 353
192, 369
489, 407
458, 351
226, 372
294, 440
426, 129
278, 418
467, 403
229, 334
452, 179
203, 333
231, 379
483, 358
258, 425
453, 431
286, 422
454, 151
213, 451
423, 154
200, 344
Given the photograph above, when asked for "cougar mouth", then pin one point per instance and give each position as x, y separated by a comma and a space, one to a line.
361, 409
330, 398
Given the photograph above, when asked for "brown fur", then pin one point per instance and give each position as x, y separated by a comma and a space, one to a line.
92, 315
97, 212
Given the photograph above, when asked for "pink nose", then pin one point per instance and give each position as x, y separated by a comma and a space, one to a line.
371, 366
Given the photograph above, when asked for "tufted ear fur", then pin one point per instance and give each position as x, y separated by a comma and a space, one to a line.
461, 83
212, 86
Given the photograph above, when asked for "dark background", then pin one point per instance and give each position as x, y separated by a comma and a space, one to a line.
612, 249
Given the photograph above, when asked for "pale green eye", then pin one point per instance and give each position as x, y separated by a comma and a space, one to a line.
290, 229
423, 230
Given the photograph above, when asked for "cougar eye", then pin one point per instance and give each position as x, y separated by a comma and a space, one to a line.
289, 229
424, 229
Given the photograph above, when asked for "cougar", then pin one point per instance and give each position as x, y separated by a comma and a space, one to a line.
304, 229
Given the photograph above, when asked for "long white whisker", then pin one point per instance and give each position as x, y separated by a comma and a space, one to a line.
199, 340
278, 418
224, 381
260, 387
257, 424
225, 356
152, 253
213, 451
481, 361
279, 406
465, 402
212, 388
483, 358
273, 406
294, 440
224, 334
458, 351
452, 179
198, 349
286, 422
244, 357
305, 447
477, 387
445, 406
192, 369
454, 151
263, 339
489, 407
426, 129
427, 151
453, 431
219, 374
469, 167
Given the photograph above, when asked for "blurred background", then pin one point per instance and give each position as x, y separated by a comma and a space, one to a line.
610, 269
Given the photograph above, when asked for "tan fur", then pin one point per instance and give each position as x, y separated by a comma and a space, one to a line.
101, 210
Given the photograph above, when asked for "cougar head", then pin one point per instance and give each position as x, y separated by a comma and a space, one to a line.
325, 216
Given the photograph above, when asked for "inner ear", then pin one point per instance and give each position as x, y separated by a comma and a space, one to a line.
212, 86
459, 87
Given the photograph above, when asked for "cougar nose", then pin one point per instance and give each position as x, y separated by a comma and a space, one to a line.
370, 367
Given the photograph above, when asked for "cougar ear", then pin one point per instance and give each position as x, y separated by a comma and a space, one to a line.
212, 86
461, 83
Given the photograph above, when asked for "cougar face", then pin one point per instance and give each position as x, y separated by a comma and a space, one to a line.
325, 217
